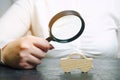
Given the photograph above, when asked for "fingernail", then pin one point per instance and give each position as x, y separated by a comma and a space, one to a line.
51, 47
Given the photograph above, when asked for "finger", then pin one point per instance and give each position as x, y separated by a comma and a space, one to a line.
26, 65
33, 60
37, 52
29, 62
41, 43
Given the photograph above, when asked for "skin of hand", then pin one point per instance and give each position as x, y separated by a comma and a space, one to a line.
25, 53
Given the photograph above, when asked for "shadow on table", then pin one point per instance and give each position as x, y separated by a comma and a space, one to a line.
80, 76
7, 73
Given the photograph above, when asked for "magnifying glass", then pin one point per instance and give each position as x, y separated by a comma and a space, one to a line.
66, 26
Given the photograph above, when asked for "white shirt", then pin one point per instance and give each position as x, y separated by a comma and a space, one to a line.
102, 21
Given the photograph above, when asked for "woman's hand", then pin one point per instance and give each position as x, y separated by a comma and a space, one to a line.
25, 53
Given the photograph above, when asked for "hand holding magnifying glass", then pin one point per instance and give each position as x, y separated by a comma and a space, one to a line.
66, 26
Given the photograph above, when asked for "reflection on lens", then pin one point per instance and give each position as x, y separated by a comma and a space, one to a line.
66, 27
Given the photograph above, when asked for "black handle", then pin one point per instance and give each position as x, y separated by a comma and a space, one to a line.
49, 39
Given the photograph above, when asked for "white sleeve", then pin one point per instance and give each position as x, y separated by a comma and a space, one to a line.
117, 20
116, 12
15, 22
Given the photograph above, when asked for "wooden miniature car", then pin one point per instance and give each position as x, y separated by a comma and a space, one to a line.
72, 61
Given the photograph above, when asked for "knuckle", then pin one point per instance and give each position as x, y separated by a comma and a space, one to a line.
22, 56
25, 42
28, 37
47, 46
23, 45
25, 65
46, 43
38, 62
22, 64
43, 55
29, 67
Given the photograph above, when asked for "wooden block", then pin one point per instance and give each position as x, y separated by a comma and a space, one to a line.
72, 61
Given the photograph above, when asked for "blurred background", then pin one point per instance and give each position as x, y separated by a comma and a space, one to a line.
4, 5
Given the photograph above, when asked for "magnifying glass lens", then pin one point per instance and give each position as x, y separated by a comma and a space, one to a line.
66, 27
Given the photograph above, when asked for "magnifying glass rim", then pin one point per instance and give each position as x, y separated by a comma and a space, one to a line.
66, 13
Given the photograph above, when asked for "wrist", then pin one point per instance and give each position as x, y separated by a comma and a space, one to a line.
0, 56
2, 45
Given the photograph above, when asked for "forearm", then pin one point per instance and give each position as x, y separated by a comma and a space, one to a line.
14, 23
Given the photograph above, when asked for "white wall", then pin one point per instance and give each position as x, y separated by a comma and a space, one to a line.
4, 5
